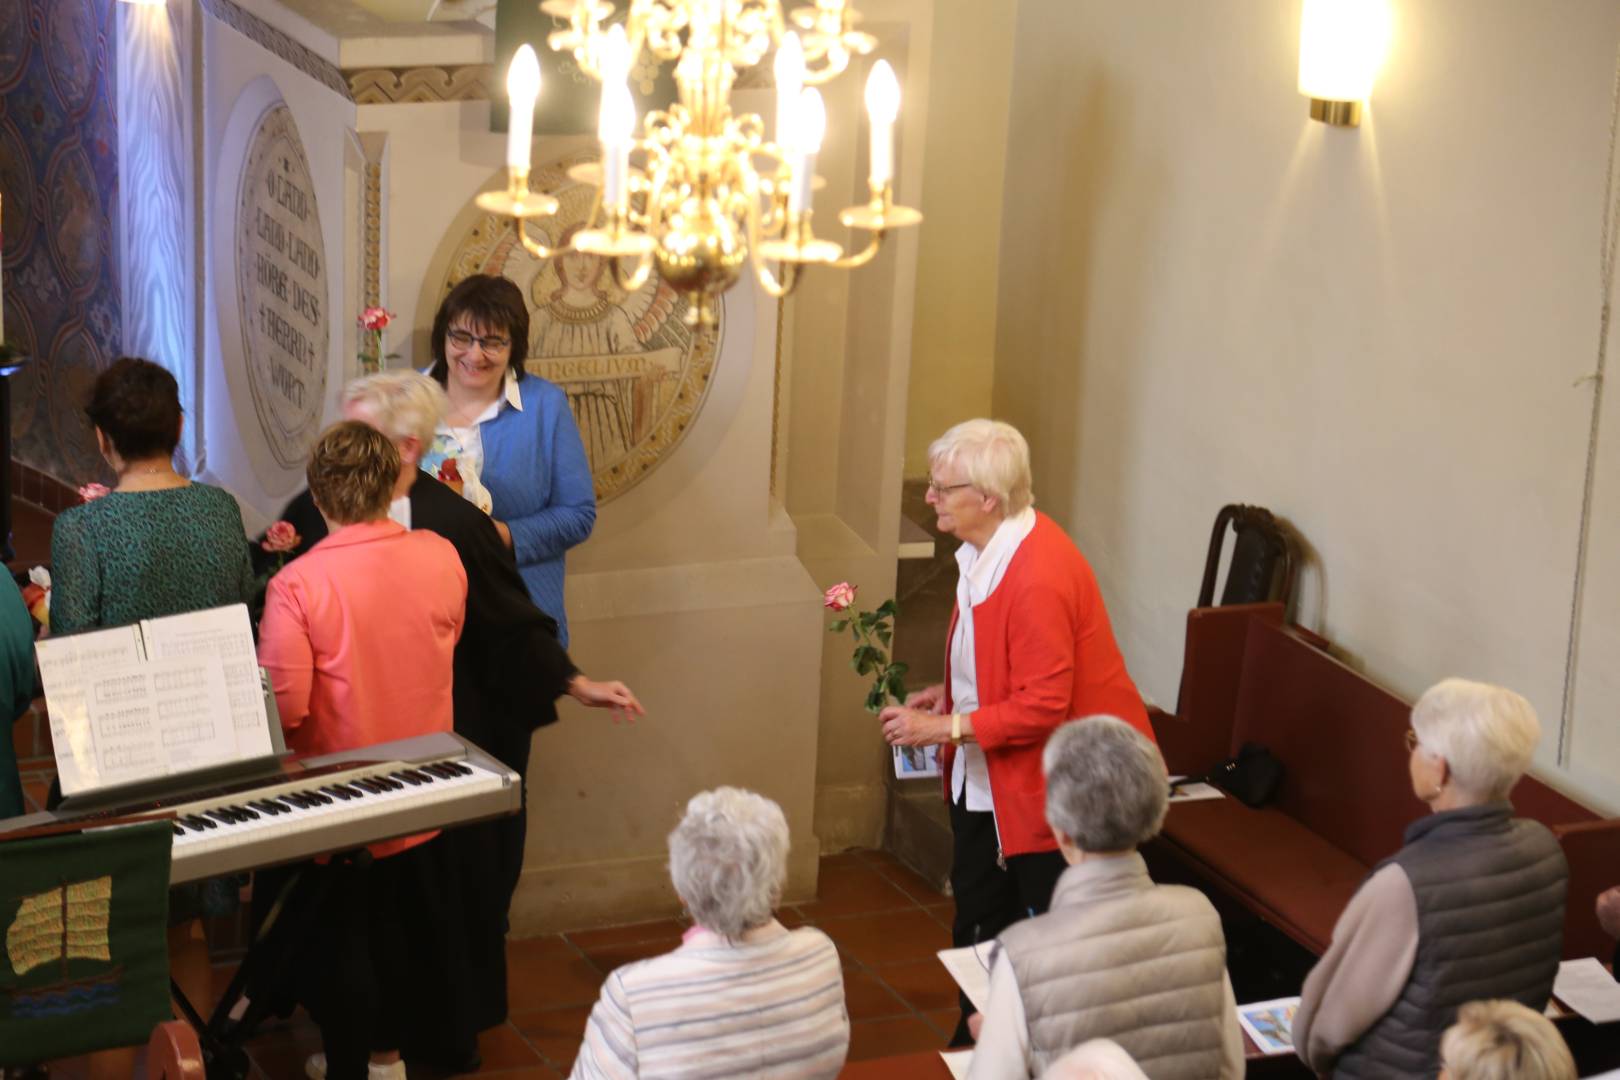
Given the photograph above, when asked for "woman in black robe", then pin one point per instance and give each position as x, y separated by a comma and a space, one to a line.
509, 667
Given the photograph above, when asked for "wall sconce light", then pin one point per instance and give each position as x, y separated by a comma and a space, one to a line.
1341, 46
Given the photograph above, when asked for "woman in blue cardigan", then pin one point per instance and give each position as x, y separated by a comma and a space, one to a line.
511, 435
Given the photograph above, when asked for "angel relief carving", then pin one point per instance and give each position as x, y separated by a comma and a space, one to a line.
636, 375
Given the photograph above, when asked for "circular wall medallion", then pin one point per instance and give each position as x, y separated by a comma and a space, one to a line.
281, 287
635, 373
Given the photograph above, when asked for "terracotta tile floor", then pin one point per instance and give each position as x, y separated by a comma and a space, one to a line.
886, 921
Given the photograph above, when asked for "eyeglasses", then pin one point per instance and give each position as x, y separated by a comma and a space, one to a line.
489, 343
940, 489
1411, 740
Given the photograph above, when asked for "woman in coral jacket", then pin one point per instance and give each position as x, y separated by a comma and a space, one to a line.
1030, 647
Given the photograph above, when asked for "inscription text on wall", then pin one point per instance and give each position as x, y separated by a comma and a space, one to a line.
282, 287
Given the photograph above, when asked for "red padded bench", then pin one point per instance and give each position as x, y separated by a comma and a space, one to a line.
1345, 800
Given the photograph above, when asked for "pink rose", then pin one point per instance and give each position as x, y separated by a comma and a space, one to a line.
375, 318
840, 596
281, 538
94, 491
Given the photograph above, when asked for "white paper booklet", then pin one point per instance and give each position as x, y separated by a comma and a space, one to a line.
162, 697
958, 1062
1270, 1024
915, 762
1183, 790
1587, 987
969, 966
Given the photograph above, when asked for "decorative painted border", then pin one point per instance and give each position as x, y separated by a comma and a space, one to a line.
404, 86
371, 233
299, 56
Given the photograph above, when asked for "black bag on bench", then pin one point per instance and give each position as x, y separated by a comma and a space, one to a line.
1252, 777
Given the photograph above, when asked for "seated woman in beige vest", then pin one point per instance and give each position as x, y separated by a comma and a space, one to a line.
1116, 957
1471, 906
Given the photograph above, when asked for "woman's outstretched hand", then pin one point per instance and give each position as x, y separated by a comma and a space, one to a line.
606, 695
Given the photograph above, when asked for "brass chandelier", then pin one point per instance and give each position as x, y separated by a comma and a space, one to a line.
703, 190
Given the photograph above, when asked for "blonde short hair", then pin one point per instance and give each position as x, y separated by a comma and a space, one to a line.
352, 472
1487, 734
1503, 1040
995, 457
405, 404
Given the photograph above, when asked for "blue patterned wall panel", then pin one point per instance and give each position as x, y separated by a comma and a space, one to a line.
59, 173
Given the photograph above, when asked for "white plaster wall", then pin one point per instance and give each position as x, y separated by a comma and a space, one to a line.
325, 119
1206, 298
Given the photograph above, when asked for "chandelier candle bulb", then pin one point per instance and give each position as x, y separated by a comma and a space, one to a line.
615, 126
522, 88
789, 69
882, 106
809, 126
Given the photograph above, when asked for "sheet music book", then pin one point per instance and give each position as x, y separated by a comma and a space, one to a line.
161, 697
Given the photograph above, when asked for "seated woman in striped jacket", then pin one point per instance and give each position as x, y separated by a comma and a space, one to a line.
742, 995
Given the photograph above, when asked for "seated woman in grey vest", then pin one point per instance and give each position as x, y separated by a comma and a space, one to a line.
1116, 956
1471, 907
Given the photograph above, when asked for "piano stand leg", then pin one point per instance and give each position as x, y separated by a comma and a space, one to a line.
221, 1036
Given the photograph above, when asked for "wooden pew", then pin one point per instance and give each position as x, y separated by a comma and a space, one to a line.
1345, 800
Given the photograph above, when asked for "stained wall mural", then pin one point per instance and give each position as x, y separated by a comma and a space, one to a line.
59, 175
635, 373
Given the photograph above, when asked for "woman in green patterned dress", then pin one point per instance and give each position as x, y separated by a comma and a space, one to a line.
157, 544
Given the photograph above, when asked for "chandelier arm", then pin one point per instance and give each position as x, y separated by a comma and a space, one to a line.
860, 258
779, 289
533, 247
633, 282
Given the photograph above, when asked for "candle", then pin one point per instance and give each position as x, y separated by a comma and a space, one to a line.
522, 87
808, 127
616, 118
882, 106
789, 69
615, 127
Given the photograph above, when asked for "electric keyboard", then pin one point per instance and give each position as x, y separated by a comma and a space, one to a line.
296, 808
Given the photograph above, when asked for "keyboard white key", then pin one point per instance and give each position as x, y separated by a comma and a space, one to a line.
238, 831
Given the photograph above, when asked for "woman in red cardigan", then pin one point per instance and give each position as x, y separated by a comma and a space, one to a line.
1030, 647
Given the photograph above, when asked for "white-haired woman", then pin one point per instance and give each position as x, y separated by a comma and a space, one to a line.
1503, 1040
1471, 906
1116, 957
741, 996
1030, 646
